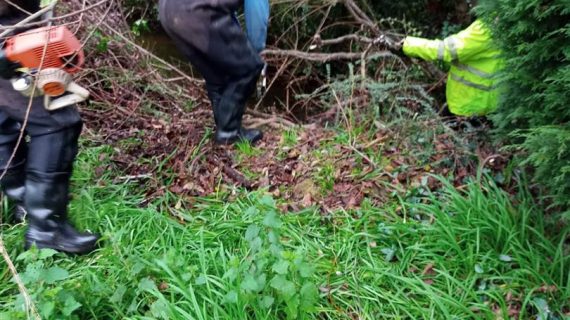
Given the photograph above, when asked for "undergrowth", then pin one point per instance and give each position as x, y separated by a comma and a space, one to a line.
475, 253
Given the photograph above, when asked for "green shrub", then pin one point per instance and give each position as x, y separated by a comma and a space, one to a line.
534, 113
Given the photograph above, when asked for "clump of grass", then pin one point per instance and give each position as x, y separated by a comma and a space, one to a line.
476, 253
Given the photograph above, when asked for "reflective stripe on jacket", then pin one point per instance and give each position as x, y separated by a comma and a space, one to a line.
472, 84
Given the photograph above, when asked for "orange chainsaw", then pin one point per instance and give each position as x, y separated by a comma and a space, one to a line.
48, 57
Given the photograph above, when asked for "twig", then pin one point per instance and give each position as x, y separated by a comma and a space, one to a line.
18, 7
9, 29
27, 299
236, 176
135, 177
361, 17
28, 24
349, 37
272, 117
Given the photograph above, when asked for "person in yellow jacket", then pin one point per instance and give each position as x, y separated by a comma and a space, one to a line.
474, 60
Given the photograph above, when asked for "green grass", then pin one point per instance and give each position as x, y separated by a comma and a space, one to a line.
466, 254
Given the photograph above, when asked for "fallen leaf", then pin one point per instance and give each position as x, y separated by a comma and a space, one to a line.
163, 286
307, 200
305, 187
428, 270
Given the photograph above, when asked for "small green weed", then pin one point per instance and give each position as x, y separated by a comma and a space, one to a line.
290, 138
140, 26
325, 177
52, 294
269, 274
247, 149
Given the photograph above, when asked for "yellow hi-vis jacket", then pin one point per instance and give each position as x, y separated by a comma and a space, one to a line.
472, 84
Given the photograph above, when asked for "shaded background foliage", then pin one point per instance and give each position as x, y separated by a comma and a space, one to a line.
534, 114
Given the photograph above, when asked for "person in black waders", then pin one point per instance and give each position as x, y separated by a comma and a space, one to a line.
209, 35
37, 179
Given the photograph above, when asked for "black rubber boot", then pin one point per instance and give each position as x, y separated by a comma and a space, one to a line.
229, 137
229, 104
13, 186
46, 200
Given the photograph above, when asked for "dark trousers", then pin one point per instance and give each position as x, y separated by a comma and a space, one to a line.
207, 33
13, 105
46, 153
52, 152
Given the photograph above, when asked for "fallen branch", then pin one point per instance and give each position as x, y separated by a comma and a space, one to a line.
327, 57
236, 176
351, 37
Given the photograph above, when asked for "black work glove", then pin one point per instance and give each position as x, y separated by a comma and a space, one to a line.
7, 67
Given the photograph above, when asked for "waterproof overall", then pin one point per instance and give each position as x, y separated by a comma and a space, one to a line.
208, 34
37, 172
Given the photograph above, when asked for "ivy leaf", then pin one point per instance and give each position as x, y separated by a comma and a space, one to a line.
70, 305
54, 274
284, 286
281, 267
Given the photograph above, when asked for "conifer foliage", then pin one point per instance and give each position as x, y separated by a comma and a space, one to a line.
535, 108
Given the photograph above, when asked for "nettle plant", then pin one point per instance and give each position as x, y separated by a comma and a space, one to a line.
51, 289
272, 276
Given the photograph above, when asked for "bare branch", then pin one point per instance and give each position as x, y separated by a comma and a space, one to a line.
327, 57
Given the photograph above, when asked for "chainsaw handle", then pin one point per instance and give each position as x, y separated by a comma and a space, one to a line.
77, 94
